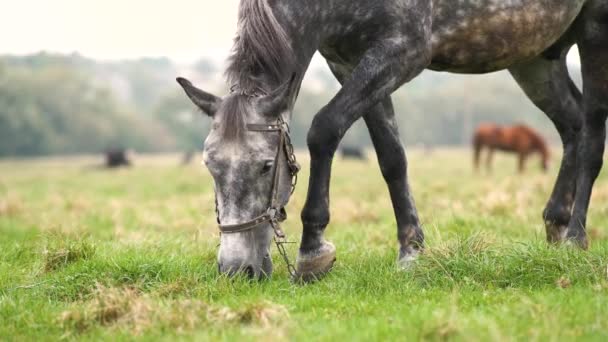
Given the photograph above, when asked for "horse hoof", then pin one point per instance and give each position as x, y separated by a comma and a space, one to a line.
581, 243
406, 261
562, 235
314, 265
556, 233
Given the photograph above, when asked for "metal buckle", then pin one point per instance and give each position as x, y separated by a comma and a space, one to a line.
278, 232
272, 213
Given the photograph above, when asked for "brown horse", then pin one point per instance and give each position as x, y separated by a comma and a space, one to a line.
519, 139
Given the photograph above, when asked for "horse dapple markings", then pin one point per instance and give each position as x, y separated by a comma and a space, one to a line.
373, 47
519, 139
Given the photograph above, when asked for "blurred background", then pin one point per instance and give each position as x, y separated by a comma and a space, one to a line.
80, 77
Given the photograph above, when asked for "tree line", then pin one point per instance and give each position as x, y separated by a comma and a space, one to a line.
69, 104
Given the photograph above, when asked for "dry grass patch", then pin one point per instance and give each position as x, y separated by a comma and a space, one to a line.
600, 194
77, 204
445, 203
109, 306
176, 288
125, 235
498, 202
596, 234
127, 308
10, 206
564, 282
472, 245
348, 210
61, 251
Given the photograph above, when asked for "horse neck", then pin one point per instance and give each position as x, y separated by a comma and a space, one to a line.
303, 26
300, 33
305, 30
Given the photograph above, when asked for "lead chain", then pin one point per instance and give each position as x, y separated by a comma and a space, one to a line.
280, 240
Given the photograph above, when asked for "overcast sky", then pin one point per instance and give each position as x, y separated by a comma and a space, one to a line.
183, 30
114, 29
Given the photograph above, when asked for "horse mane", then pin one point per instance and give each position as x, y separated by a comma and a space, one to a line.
261, 47
234, 110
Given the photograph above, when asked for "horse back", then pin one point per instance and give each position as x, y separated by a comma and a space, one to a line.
485, 36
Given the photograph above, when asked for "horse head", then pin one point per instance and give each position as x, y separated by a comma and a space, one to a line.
249, 156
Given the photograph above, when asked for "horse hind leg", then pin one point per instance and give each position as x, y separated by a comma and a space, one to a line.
547, 83
396, 57
521, 166
593, 46
383, 130
489, 158
393, 163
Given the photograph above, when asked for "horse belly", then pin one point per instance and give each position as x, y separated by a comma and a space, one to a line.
490, 35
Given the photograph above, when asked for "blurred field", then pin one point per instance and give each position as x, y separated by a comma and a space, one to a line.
130, 254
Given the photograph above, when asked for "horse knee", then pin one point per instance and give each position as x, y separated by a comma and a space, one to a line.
323, 137
315, 215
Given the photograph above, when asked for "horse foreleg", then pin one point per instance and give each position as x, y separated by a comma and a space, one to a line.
548, 85
476, 153
489, 157
522, 162
316, 256
383, 68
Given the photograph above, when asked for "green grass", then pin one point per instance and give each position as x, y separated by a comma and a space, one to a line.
130, 254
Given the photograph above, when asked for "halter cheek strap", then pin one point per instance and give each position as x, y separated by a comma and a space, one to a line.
275, 212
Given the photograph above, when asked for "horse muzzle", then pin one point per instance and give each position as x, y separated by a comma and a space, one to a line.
246, 253
250, 270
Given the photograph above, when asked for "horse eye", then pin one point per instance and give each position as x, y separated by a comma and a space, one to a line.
267, 166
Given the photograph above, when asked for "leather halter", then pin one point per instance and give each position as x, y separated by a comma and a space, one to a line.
275, 212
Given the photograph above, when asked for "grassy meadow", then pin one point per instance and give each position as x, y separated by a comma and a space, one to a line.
129, 254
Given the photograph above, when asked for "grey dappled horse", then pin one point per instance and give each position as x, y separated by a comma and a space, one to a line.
373, 47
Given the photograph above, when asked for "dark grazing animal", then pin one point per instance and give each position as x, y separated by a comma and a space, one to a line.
374, 47
117, 157
352, 152
519, 139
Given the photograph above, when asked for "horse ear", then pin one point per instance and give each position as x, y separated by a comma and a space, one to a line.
275, 103
208, 103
